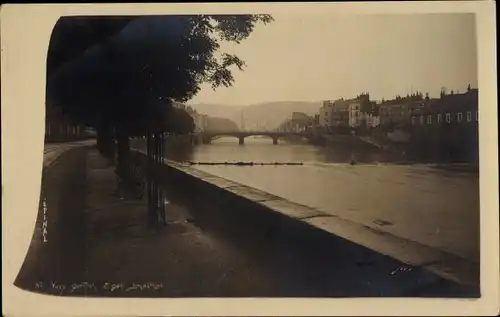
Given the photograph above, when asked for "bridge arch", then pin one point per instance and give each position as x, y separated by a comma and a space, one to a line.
241, 135
273, 136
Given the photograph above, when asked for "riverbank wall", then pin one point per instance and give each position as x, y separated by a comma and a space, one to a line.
253, 218
244, 209
447, 144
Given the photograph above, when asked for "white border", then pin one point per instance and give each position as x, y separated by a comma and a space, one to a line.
25, 33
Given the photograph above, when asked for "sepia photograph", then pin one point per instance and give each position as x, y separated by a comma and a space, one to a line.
259, 155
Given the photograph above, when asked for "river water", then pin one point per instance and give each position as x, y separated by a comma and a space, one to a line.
435, 207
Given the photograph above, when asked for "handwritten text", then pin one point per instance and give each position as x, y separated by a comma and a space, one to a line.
45, 221
107, 287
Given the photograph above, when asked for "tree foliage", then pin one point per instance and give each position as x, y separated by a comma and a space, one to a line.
127, 71
181, 122
73, 35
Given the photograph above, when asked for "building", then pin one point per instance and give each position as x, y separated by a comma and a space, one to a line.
449, 109
298, 122
334, 114
350, 113
316, 120
339, 117
370, 115
301, 117
354, 109
324, 113
370, 120
397, 112
446, 128
360, 110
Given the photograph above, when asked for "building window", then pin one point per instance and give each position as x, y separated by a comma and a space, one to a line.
429, 119
459, 117
469, 116
421, 119
448, 117
439, 117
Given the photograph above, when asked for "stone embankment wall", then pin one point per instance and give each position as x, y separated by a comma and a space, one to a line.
247, 214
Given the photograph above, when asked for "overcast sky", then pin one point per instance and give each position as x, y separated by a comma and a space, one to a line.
311, 58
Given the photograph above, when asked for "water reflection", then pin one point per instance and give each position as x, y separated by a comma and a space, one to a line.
262, 150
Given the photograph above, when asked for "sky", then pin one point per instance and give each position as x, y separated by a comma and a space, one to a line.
323, 57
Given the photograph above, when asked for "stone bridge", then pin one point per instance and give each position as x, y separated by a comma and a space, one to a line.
207, 137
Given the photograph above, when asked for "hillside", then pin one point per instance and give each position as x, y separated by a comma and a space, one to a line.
270, 115
267, 115
217, 111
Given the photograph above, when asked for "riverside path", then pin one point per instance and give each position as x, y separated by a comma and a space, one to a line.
98, 244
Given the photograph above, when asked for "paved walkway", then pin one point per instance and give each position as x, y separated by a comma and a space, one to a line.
99, 245
54, 254
179, 260
52, 151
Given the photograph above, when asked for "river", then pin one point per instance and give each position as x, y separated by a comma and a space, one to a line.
434, 207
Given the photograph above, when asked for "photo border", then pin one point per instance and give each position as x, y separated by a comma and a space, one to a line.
25, 34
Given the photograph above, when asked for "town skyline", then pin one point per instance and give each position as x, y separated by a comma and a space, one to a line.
428, 52
436, 95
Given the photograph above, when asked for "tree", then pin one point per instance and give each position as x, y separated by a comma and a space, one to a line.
71, 38
73, 35
182, 122
121, 75
116, 77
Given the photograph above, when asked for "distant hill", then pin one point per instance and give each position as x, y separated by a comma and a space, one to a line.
217, 111
271, 114
267, 115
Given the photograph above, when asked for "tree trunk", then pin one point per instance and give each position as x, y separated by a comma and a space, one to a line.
105, 141
150, 181
123, 167
156, 197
